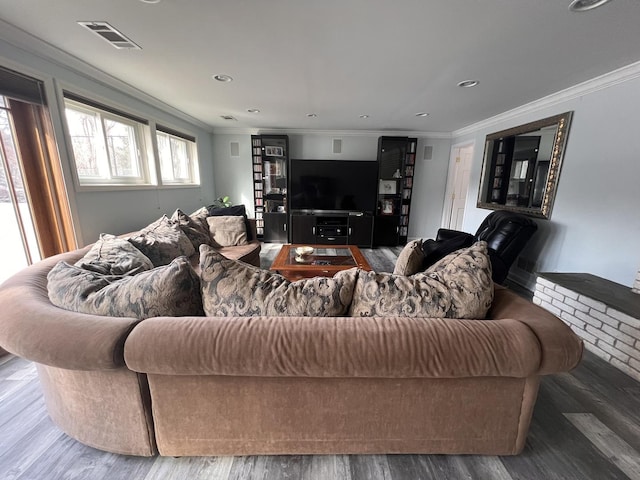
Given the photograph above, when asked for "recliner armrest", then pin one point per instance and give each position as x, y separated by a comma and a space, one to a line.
447, 234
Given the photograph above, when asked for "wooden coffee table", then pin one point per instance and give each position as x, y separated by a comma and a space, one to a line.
325, 261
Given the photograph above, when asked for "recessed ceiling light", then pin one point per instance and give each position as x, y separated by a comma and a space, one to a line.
222, 78
468, 83
150, 1
228, 117
312, 115
422, 114
253, 110
584, 5
364, 116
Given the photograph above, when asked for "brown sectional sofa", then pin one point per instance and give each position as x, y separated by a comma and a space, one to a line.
286, 385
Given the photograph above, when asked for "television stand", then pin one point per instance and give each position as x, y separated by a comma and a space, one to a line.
332, 229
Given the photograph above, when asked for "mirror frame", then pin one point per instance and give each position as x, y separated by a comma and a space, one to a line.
563, 121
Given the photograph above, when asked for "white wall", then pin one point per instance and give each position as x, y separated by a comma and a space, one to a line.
234, 176
108, 211
595, 222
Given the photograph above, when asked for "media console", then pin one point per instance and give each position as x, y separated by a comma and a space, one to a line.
344, 228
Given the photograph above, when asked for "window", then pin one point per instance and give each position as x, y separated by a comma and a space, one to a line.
178, 157
108, 148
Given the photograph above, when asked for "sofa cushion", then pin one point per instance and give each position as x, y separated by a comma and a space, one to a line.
458, 286
234, 211
410, 259
227, 231
236, 289
111, 255
170, 290
162, 241
194, 229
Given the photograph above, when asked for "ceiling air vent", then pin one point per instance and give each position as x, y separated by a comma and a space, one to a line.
228, 117
110, 34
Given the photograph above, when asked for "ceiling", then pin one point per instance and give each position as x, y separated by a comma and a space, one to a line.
340, 59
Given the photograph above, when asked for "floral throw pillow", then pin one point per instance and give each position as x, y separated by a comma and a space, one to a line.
111, 255
236, 289
410, 259
172, 290
192, 228
162, 241
457, 286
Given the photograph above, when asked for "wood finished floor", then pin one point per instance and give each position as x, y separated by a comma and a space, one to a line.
586, 425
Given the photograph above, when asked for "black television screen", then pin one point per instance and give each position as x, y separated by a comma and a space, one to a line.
333, 185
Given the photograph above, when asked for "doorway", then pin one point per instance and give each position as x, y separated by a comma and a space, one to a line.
18, 244
34, 207
457, 186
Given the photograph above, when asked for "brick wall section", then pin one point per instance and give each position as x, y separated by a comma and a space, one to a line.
609, 333
636, 284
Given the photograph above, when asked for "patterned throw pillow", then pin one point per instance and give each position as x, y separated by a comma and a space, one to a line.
172, 290
231, 288
227, 231
410, 259
234, 211
162, 241
200, 216
193, 229
111, 255
458, 286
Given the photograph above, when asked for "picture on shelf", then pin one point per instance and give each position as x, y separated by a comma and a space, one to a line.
387, 187
273, 151
387, 207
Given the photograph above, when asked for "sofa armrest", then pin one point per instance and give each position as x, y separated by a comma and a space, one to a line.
394, 347
561, 348
33, 328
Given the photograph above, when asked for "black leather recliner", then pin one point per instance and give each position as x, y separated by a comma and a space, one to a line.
506, 234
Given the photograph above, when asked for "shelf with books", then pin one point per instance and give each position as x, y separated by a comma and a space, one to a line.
270, 158
396, 169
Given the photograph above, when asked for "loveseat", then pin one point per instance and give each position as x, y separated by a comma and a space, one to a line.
276, 384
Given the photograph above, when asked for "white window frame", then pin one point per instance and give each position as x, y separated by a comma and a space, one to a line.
105, 163
193, 177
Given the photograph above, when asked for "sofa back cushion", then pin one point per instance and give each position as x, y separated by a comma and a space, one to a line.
162, 241
227, 231
111, 255
458, 286
233, 211
236, 289
171, 290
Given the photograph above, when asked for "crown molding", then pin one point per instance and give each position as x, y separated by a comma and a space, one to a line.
335, 133
22, 40
615, 77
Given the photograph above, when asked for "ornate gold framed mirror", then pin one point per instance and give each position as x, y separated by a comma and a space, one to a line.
522, 165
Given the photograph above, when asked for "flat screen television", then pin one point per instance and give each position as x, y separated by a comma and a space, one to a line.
324, 186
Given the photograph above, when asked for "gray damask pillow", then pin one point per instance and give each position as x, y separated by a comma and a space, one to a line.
162, 241
410, 259
458, 286
172, 290
111, 255
193, 229
200, 216
231, 288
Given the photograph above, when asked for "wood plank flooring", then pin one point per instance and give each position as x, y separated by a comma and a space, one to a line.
586, 425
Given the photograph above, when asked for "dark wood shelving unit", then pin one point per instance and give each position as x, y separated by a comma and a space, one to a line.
270, 163
396, 168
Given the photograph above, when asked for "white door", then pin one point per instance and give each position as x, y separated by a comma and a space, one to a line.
457, 186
